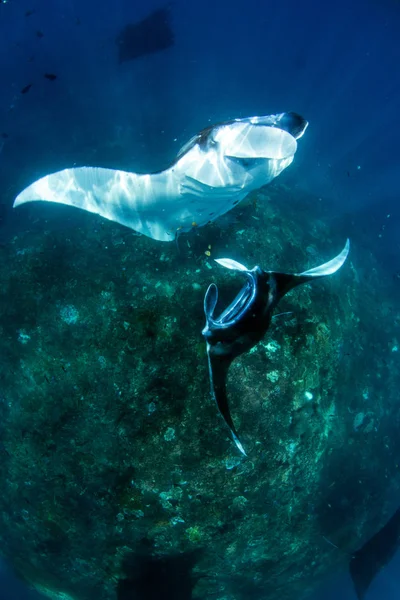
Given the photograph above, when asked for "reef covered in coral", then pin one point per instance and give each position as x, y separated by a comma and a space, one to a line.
111, 447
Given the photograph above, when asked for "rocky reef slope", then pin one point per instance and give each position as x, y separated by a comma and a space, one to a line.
111, 447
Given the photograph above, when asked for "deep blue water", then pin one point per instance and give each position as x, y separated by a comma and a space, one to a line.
336, 63
12, 589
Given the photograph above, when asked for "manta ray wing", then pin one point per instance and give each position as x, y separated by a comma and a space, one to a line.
374, 555
114, 195
154, 206
286, 281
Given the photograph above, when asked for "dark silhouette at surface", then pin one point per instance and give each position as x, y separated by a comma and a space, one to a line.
150, 35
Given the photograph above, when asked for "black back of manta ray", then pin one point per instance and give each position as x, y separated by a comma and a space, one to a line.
152, 578
374, 555
153, 34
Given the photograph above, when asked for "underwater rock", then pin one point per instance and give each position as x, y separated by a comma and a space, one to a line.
98, 325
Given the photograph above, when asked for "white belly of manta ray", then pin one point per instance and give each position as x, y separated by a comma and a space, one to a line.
214, 171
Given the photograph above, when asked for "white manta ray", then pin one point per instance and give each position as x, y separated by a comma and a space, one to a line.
214, 171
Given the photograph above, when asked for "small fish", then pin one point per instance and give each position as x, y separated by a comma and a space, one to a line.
26, 89
29, 13
39, 34
247, 319
50, 76
4, 136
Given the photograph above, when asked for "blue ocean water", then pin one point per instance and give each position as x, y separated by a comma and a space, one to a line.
336, 63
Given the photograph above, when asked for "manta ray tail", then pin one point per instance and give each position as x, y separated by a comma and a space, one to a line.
285, 281
218, 369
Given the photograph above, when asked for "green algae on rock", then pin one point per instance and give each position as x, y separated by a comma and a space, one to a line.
110, 442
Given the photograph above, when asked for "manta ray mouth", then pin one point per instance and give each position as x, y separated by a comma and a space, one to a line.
240, 305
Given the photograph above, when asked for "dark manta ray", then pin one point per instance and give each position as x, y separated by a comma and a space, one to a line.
246, 320
152, 578
374, 555
153, 34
